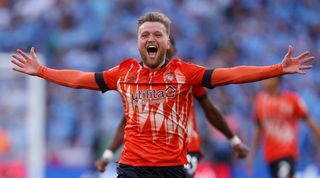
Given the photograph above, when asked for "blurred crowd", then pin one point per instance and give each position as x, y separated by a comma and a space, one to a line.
94, 35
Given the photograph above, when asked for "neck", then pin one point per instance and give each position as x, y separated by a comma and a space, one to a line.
274, 92
155, 68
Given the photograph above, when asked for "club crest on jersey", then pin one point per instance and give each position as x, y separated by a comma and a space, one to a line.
168, 77
169, 92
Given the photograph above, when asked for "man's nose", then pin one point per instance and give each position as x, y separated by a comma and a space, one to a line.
151, 38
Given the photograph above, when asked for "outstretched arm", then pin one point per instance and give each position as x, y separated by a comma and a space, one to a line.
69, 78
216, 119
246, 74
313, 126
115, 144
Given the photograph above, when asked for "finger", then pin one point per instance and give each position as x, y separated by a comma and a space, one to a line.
18, 70
236, 154
303, 55
241, 155
306, 60
97, 164
301, 72
289, 53
19, 59
101, 169
17, 63
33, 53
244, 155
305, 67
98, 167
23, 54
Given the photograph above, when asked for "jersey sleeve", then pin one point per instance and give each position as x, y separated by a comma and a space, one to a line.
195, 73
244, 74
300, 107
200, 93
107, 80
69, 78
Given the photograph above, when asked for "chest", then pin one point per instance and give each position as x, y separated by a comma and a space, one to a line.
276, 108
141, 84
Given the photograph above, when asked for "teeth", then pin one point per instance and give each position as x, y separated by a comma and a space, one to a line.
152, 46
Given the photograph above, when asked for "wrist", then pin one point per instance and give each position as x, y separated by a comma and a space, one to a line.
40, 70
235, 140
280, 68
107, 154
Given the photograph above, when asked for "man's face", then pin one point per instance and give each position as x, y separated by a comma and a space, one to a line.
153, 42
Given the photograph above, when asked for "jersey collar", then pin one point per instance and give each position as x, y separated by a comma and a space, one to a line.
163, 65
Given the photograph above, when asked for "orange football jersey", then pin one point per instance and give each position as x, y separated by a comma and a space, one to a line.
278, 116
157, 107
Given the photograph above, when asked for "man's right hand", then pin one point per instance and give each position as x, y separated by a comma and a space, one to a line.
101, 164
241, 150
25, 64
297, 65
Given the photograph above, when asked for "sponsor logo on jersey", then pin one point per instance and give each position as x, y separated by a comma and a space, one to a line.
169, 92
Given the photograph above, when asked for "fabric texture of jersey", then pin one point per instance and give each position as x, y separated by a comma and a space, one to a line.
157, 107
278, 116
194, 139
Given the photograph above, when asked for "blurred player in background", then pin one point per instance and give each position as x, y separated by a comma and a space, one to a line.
276, 115
157, 95
5, 142
194, 140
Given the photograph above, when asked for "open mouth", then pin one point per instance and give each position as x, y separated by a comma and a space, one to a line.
152, 51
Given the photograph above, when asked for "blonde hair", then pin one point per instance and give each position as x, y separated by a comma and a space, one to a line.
155, 17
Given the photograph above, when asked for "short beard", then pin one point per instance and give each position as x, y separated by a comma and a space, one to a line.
155, 64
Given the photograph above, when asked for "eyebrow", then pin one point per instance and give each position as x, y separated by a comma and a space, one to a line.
156, 31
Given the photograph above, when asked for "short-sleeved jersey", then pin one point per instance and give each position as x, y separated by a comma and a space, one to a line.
194, 139
278, 116
157, 107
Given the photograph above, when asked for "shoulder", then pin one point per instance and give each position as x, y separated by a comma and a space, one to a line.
128, 62
185, 65
290, 94
125, 64
179, 61
175, 62
123, 67
295, 98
